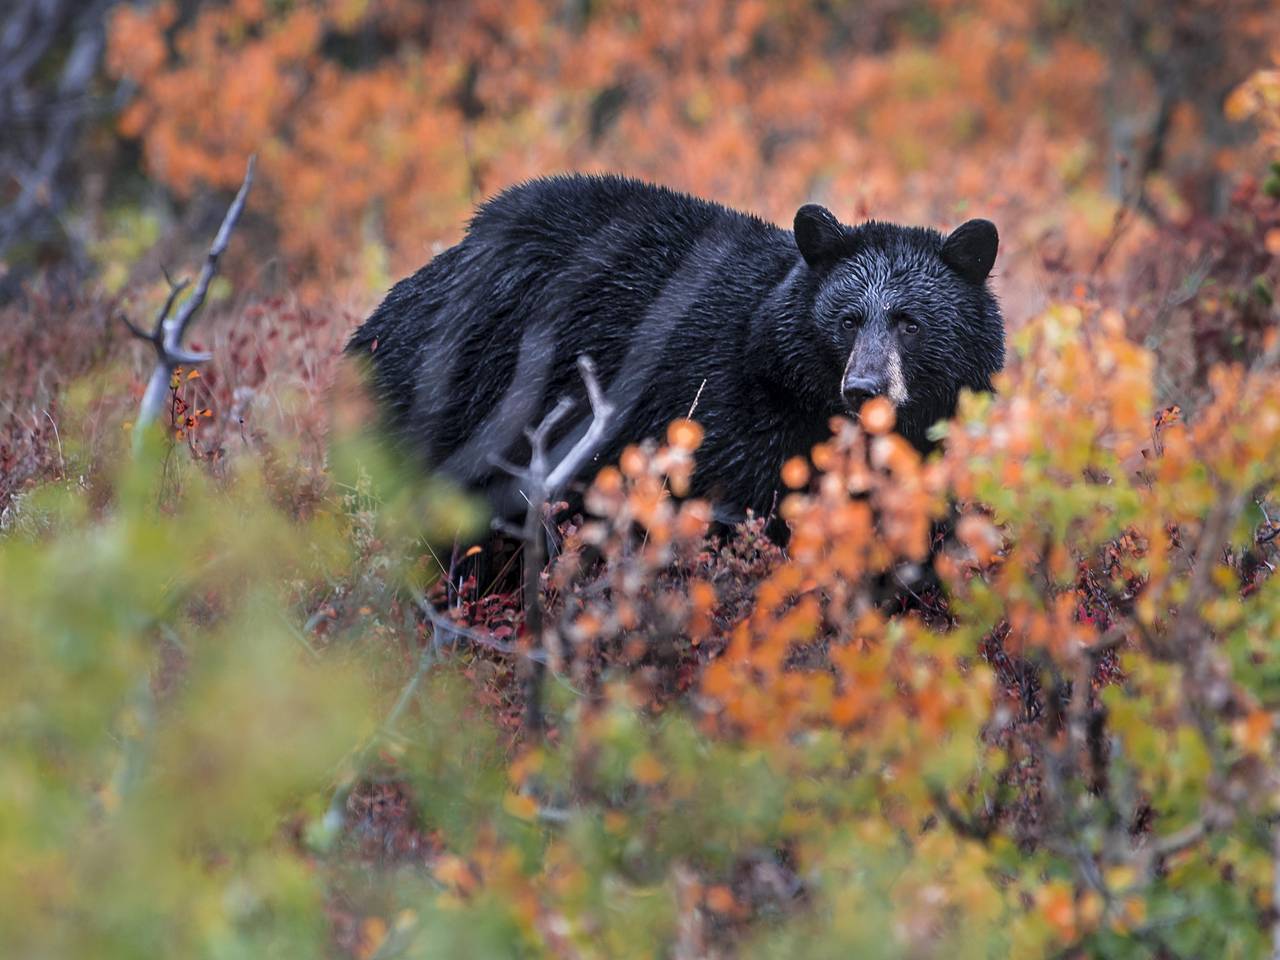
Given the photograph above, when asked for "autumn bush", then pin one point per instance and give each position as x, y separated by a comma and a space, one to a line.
1014, 699
379, 124
291, 734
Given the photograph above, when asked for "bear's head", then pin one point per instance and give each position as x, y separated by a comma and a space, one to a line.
902, 312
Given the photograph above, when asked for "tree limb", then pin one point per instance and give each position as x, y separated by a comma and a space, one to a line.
167, 334
543, 481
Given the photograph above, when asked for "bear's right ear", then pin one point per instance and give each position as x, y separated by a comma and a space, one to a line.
819, 235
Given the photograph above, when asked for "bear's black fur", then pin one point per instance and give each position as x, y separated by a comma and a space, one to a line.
676, 298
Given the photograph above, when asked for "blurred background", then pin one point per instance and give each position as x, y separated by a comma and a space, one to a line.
379, 123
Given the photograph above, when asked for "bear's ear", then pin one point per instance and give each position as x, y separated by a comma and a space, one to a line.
819, 235
970, 250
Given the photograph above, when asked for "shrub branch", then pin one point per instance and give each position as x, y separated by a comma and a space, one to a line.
168, 332
542, 481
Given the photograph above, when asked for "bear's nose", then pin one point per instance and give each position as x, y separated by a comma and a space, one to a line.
859, 389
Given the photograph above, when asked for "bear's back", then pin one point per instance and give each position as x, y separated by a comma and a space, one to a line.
658, 287
568, 208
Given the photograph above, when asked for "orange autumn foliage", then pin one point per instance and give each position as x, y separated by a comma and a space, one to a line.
380, 123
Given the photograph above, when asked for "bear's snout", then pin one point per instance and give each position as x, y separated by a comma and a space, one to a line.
858, 389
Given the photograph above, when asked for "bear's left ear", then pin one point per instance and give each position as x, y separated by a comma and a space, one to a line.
819, 235
970, 250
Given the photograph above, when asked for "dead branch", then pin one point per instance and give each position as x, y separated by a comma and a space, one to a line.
980, 827
1215, 535
445, 631
1179, 840
167, 334
1113, 639
542, 481
601, 414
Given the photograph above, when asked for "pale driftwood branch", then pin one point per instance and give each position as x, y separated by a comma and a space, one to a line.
601, 414
542, 481
167, 334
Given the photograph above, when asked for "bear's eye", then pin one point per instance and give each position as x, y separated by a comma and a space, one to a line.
849, 321
906, 323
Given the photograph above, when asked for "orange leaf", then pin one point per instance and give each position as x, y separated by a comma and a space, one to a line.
685, 434
877, 415
795, 473
1253, 731
373, 931
720, 899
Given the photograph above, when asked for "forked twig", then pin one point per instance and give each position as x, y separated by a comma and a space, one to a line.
602, 411
167, 334
544, 481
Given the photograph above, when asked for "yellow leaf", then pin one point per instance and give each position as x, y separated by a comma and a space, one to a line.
520, 806
646, 770
373, 931
1118, 878
453, 871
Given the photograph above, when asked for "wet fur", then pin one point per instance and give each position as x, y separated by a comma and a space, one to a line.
674, 298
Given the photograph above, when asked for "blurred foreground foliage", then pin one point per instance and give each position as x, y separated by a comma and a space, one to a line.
236, 729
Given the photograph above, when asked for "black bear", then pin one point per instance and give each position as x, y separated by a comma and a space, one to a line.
676, 299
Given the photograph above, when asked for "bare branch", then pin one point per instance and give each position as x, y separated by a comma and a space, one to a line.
1180, 840
507, 467
538, 435
137, 331
174, 290
602, 413
974, 828
446, 631
169, 331
1215, 534
696, 397
545, 481
1111, 640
